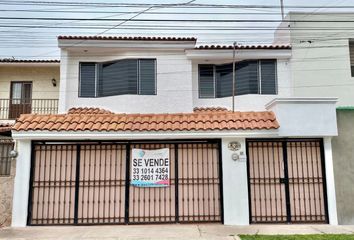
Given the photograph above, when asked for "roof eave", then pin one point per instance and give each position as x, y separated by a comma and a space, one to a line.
77, 44
136, 135
240, 53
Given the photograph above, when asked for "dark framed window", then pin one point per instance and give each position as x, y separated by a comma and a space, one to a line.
252, 77
127, 76
6, 145
351, 54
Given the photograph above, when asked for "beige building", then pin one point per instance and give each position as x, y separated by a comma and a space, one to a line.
26, 86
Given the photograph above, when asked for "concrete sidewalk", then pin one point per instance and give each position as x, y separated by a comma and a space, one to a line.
165, 231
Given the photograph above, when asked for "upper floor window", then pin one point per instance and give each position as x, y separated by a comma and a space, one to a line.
252, 77
351, 52
128, 76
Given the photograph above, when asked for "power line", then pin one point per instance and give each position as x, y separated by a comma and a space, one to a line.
194, 5
179, 20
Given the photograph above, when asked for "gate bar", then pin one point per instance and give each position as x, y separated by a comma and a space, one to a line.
127, 183
176, 184
77, 180
286, 177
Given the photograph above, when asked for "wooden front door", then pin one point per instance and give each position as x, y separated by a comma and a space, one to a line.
20, 99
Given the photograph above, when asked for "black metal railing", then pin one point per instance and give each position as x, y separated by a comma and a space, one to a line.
13, 108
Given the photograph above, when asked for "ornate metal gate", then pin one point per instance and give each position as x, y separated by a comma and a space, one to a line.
286, 181
88, 183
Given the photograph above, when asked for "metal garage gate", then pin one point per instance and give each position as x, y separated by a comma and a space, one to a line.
286, 181
88, 183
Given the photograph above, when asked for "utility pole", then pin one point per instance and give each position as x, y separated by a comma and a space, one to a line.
233, 76
282, 9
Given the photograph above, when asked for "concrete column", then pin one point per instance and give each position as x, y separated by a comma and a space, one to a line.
21, 185
63, 81
331, 193
235, 188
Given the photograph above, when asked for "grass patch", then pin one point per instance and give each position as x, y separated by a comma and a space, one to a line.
299, 237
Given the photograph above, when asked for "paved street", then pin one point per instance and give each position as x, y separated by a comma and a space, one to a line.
180, 231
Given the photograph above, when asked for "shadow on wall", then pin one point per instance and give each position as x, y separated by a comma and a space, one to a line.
343, 163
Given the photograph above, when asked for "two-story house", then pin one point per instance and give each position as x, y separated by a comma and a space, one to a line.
322, 66
147, 133
26, 86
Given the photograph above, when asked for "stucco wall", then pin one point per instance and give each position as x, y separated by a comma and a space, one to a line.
174, 83
343, 158
320, 56
177, 84
41, 78
6, 193
249, 102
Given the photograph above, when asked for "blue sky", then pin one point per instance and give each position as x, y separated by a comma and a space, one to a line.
30, 38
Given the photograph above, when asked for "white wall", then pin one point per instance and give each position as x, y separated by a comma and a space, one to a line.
331, 193
249, 102
235, 187
174, 83
177, 83
320, 55
305, 117
21, 186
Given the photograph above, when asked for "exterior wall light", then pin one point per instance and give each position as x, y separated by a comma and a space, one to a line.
54, 82
13, 153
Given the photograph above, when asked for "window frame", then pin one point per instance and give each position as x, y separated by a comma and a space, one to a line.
351, 61
214, 82
6, 161
96, 95
259, 78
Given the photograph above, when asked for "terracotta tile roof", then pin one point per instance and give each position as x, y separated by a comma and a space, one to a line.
5, 127
127, 38
210, 109
148, 122
10, 60
244, 47
88, 110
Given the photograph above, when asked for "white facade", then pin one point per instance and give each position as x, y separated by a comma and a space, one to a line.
177, 77
320, 63
177, 91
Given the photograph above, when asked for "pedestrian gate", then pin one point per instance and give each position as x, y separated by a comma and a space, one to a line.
88, 183
286, 181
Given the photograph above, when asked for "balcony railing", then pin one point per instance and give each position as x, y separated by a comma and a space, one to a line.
13, 108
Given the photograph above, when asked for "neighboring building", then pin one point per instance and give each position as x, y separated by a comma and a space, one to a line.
26, 86
322, 66
270, 161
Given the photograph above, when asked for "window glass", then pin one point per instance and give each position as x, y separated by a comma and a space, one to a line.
252, 77
118, 78
206, 81
87, 80
147, 77
268, 77
224, 80
128, 76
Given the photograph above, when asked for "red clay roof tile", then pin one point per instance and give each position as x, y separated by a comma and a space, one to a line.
102, 121
271, 46
127, 38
